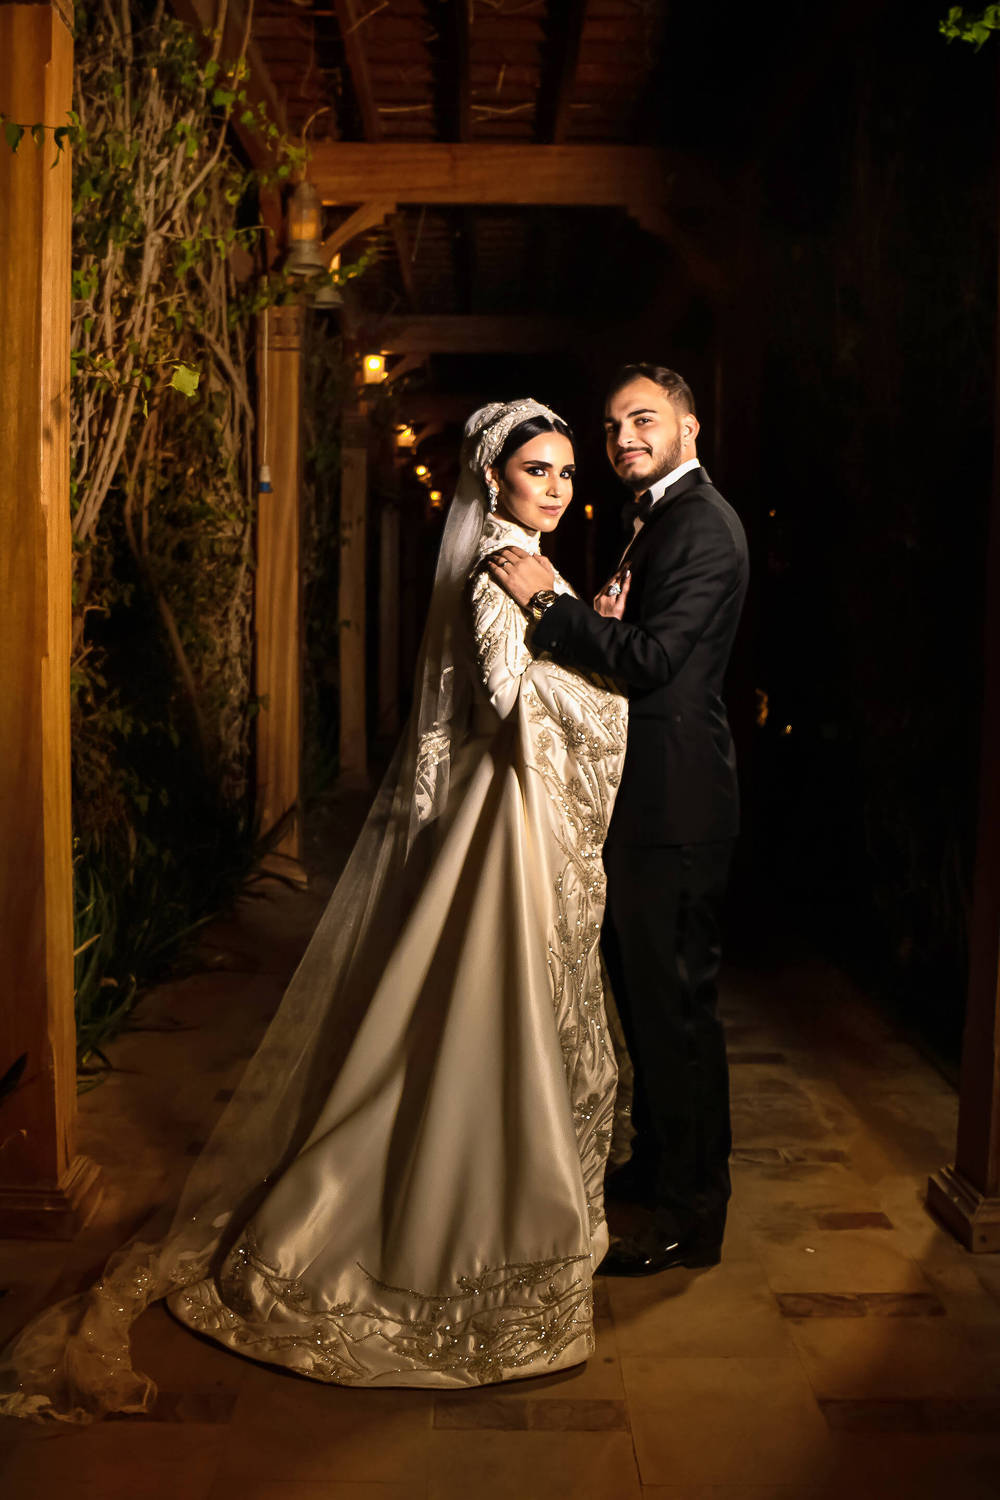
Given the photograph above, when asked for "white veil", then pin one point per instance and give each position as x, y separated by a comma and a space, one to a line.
73, 1362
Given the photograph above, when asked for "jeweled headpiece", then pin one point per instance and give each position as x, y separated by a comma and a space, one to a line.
488, 429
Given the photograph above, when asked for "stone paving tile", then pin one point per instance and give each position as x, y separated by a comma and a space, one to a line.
725, 1421
825, 1260
328, 1489
532, 1466
728, 1310
859, 1305
455, 1413
114, 1461
853, 1218
895, 1358
977, 1414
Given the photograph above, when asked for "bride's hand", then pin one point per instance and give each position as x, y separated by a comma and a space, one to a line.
522, 574
610, 602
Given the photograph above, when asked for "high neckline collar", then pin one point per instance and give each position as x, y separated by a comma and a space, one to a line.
499, 532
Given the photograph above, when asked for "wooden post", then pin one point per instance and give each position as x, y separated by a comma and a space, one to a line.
352, 605
966, 1196
278, 615
46, 1189
388, 621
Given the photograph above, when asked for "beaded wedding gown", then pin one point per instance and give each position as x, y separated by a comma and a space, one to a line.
442, 1222
406, 1188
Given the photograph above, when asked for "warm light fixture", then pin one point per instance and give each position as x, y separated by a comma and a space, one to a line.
405, 437
588, 511
436, 497
374, 368
305, 244
421, 471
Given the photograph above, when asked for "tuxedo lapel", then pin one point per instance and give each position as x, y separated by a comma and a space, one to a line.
690, 481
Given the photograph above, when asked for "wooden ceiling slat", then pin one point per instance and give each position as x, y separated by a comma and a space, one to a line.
559, 83
350, 19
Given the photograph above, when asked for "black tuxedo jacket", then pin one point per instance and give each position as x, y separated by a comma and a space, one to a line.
669, 653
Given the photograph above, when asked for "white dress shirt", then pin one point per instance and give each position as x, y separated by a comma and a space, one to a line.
656, 491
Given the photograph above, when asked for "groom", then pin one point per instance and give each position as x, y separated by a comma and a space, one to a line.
663, 628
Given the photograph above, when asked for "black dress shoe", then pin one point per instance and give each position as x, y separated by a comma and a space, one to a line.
643, 1255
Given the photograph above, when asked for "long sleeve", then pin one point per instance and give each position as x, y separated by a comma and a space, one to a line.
686, 583
498, 628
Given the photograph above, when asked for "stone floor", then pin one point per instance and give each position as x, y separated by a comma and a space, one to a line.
845, 1347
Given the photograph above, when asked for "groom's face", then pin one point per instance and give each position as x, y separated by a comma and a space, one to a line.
647, 437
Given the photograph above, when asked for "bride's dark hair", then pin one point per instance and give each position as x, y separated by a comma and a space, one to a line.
524, 432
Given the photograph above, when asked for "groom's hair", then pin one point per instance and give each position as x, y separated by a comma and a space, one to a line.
675, 385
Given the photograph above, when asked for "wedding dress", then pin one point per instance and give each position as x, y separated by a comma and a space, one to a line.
430, 1140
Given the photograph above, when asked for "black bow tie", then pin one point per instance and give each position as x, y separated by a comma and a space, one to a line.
639, 507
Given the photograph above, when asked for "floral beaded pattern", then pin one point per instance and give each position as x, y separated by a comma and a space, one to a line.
496, 1321
574, 728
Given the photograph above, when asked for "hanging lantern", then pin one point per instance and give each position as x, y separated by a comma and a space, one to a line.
305, 232
305, 245
374, 366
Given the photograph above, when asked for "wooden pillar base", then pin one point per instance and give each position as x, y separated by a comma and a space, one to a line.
972, 1218
52, 1213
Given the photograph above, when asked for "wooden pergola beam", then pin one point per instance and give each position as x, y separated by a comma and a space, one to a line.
350, 21
633, 178
474, 334
404, 254
556, 94
629, 177
368, 216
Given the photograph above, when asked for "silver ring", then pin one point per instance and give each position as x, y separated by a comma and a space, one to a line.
614, 589
504, 563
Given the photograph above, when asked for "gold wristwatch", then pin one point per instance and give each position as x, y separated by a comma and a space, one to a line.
540, 602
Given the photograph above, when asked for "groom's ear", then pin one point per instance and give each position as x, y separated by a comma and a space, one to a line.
690, 426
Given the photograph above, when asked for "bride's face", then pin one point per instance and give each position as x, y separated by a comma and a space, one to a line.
537, 482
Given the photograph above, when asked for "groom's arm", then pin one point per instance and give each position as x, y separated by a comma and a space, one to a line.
686, 582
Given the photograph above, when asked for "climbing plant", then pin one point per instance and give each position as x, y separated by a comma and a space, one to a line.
169, 268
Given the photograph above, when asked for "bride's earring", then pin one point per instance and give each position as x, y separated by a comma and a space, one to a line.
493, 495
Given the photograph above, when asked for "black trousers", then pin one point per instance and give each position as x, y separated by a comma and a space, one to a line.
662, 951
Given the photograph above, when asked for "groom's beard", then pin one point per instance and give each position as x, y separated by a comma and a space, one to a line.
667, 463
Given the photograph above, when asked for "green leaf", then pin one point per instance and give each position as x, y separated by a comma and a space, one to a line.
185, 379
13, 134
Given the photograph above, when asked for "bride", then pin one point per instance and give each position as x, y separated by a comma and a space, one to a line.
407, 1188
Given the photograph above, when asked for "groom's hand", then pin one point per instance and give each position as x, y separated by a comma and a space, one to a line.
610, 602
521, 573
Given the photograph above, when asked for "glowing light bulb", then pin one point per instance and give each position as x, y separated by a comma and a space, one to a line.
374, 368
588, 511
421, 470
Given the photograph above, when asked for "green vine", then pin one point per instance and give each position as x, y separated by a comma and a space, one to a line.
962, 25
170, 267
